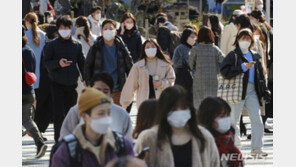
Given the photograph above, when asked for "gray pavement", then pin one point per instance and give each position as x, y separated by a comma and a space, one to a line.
29, 149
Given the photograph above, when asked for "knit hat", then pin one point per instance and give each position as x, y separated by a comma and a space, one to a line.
90, 98
237, 12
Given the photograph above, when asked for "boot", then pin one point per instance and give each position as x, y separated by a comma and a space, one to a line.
243, 129
41, 147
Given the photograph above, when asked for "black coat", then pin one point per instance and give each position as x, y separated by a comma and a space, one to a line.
133, 41
229, 70
94, 60
30, 63
72, 51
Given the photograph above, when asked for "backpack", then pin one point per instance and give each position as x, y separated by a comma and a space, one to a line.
168, 40
76, 152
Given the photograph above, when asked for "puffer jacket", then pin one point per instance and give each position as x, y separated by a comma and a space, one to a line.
94, 60
229, 70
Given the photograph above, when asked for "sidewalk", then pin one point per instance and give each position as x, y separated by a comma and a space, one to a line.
29, 150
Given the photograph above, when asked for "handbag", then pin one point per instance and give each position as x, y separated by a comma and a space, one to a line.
231, 90
30, 77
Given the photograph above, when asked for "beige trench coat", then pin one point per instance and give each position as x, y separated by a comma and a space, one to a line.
138, 82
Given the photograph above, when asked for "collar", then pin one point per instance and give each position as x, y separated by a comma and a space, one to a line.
92, 19
160, 62
98, 151
65, 40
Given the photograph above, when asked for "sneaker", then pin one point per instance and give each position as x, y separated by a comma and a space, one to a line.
41, 149
258, 152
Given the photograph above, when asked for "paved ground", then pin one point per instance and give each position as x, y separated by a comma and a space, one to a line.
29, 149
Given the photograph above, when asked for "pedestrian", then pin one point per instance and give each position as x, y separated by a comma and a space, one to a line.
95, 21
44, 105
181, 59
204, 60
214, 115
162, 20
127, 162
243, 21
176, 140
36, 39
121, 120
109, 54
48, 17
96, 143
229, 33
130, 35
146, 116
216, 28
149, 76
83, 34
257, 18
28, 59
64, 61
243, 60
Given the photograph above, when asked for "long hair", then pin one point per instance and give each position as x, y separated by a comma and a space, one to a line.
209, 109
171, 98
215, 26
145, 117
83, 22
33, 20
159, 53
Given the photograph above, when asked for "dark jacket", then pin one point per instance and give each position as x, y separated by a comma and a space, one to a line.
133, 41
70, 50
30, 63
229, 70
94, 60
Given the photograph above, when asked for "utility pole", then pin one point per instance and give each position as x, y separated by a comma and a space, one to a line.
268, 11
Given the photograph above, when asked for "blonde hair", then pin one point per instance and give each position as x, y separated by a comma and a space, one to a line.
33, 20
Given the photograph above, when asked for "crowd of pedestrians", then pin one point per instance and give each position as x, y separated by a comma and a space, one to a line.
84, 75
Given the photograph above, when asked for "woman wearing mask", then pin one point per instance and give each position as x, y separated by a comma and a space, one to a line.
243, 60
36, 39
177, 140
214, 115
48, 16
204, 60
83, 34
181, 58
130, 35
215, 26
28, 60
149, 76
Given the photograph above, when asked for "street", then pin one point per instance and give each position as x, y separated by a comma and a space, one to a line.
29, 149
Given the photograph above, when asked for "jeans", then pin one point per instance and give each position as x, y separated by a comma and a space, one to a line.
27, 108
252, 106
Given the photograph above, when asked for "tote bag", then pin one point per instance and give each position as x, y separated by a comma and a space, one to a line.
231, 90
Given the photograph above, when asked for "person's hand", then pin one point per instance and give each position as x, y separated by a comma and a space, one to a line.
84, 84
249, 65
63, 63
122, 28
157, 83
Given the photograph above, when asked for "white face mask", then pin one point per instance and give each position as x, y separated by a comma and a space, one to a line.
224, 124
244, 46
98, 16
64, 33
178, 119
101, 125
50, 19
259, 7
109, 34
129, 26
191, 41
151, 52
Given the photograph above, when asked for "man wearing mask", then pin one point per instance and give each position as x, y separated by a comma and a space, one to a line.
64, 61
98, 143
259, 6
95, 20
121, 119
110, 54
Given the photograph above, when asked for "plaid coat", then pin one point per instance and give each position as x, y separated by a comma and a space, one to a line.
205, 60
